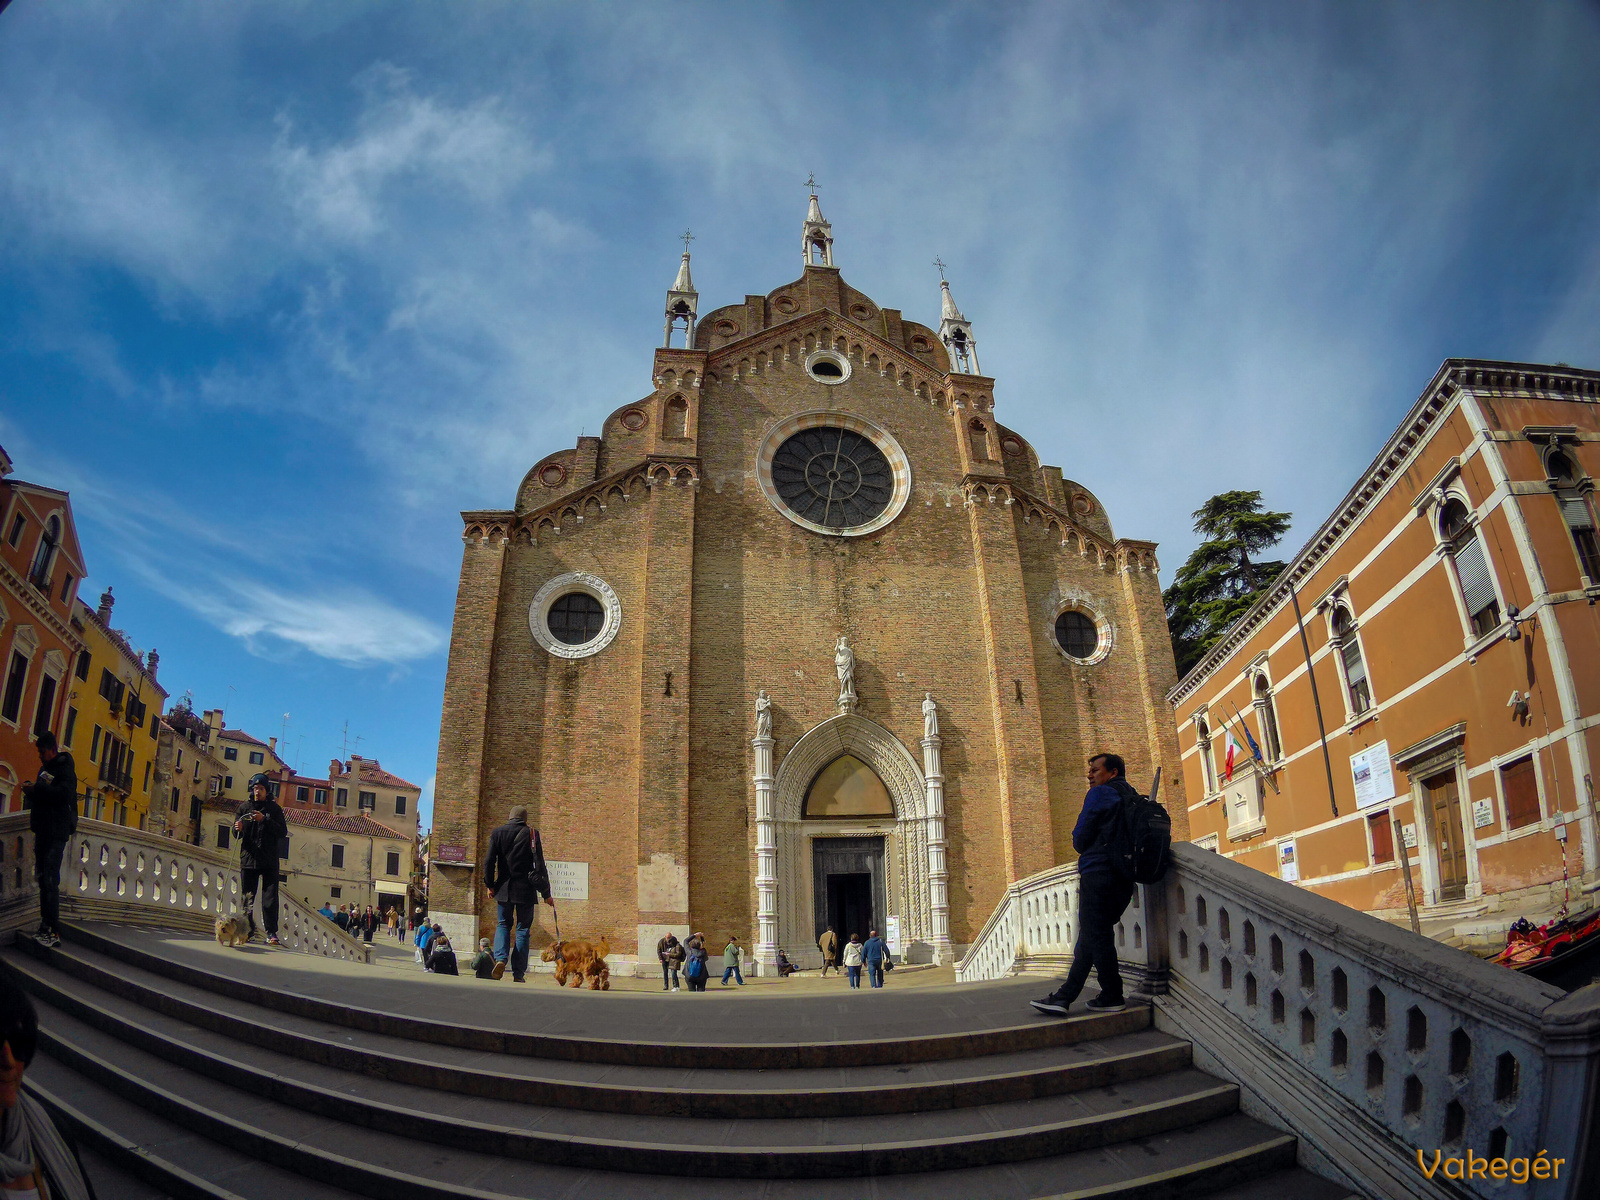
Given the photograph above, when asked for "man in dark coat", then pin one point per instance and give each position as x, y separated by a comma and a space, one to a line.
1103, 893
262, 832
515, 875
53, 816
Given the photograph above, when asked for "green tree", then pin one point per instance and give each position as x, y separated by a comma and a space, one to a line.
1223, 577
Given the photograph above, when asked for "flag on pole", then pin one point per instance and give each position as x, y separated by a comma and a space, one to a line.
1231, 750
1255, 750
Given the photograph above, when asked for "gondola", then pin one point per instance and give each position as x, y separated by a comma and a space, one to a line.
1549, 949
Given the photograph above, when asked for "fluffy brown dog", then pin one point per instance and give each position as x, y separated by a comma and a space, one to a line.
233, 931
578, 959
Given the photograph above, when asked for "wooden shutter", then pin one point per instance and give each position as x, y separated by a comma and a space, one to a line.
1576, 510
1477, 589
1521, 791
1382, 838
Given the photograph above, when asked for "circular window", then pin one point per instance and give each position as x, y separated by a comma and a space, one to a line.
827, 366
1082, 505
785, 304
1011, 446
553, 476
1077, 634
633, 420
860, 312
832, 473
575, 615
725, 328
575, 618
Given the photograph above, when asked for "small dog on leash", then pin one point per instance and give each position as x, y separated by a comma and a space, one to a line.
233, 931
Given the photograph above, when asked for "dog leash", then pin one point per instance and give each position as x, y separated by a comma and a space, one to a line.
557, 917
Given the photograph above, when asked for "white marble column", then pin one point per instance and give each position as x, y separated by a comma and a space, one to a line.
938, 876
766, 861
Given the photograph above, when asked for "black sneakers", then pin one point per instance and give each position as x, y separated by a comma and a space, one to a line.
47, 937
1102, 1005
1052, 1005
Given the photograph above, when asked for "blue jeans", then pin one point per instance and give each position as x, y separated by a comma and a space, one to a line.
855, 976
734, 971
523, 915
875, 972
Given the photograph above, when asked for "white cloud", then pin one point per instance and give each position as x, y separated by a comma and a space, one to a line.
353, 628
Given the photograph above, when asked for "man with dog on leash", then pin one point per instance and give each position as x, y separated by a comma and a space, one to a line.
262, 831
514, 874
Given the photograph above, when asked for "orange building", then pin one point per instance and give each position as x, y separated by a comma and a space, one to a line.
41, 565
1447, 611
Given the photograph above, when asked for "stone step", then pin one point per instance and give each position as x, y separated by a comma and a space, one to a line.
240, 1045
748, 1149
985, 1027
210, 1155
1296, 1184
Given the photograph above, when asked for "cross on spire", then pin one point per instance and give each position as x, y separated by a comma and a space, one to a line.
939, 262
811, 182
686, 237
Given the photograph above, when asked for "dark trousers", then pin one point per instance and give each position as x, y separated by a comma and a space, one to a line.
669, 976
47, 852
249, 878
1102, 899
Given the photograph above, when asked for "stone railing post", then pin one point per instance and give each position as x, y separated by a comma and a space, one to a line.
1157, 947
766, 860
1570, 1128
938, 872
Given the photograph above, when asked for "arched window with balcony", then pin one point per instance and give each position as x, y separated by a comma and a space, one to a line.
1271, 743
1352, 663
1576, 496
1208, 769
1471, 567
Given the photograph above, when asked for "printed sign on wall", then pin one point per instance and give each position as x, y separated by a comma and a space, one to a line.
1374, 777
1288, 866
891, 934
1482, 813
568, 880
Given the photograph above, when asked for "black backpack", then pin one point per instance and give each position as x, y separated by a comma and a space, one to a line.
1141, 842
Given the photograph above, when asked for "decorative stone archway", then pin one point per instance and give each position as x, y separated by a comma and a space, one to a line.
783, 839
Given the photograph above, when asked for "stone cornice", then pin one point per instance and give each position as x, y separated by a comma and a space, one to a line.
1124, 552
1478, 376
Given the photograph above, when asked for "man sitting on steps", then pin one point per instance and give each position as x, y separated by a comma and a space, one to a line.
1103, 893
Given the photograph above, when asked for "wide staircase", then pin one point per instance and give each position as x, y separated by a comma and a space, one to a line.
187, 1070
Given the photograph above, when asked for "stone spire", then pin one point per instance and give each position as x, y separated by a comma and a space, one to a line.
955, 331
683, 302
817, 235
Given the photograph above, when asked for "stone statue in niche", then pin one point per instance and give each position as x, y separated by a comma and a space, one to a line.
844, 662
930, 716
763, 714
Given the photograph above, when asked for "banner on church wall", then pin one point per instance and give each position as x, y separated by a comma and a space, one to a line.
568, 880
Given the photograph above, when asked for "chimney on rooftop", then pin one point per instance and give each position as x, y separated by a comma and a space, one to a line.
106, 601
272, 743
151, 661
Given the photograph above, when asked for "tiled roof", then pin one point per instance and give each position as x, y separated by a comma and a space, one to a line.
239, 735
361, 826
372, 773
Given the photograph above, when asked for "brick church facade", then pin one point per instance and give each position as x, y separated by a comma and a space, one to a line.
804, 637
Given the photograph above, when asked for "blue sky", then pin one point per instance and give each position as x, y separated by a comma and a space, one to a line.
283, 287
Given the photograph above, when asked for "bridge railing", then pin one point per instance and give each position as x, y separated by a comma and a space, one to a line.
110, 872
1370, 1043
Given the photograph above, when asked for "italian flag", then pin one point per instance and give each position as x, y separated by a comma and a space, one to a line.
1230, 750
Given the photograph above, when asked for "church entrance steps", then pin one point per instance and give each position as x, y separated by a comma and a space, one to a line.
180, 1082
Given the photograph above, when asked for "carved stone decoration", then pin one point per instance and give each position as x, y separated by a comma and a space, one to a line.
766, 842
574, 581
938, 885
844, 663
930, 716
763, 714
907, 849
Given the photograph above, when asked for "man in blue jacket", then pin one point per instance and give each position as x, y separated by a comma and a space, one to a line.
872, 954
1103, 893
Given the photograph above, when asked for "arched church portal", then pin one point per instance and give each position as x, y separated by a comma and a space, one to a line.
851, 839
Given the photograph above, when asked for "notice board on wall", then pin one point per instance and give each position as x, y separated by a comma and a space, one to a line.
1373, 775
568, 880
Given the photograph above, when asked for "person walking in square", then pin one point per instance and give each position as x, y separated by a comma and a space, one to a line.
1103, 893
852, 960
697, 967
515, 875
730, 961
828, 943
53, 817
262, 832
671, 953
873, 952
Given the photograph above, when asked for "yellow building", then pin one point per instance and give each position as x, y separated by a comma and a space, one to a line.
242, 756
188, 771
113, 721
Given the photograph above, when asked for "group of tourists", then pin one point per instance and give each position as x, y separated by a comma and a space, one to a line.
872, 954
692, 961
363, 924
434, 950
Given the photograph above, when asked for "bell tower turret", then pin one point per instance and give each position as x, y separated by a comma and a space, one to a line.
816, 241
683, 302
955, 331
